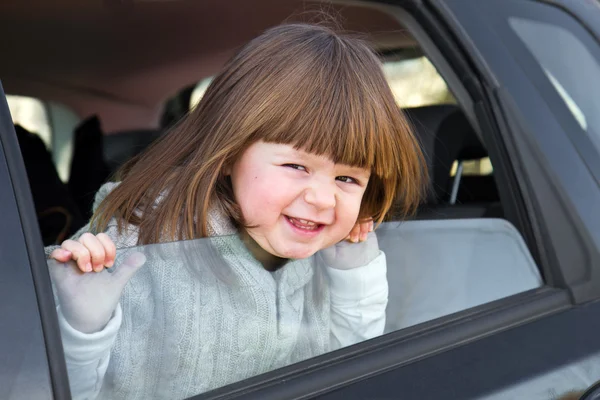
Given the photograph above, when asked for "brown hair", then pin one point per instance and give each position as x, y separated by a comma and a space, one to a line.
299, 84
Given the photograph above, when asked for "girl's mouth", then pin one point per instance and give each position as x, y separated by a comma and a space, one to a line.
304, 226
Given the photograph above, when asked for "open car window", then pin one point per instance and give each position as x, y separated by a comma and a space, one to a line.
202, 314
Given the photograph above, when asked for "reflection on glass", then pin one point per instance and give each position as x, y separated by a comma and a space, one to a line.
573, 74
201, 314
204, 313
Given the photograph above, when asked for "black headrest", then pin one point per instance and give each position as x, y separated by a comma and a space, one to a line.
120, 147
58, 214
445, 135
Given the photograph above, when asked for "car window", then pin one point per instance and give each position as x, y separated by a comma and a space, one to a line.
415, 83
201, 314
198, 91
53, 122
195, 317
32, 115
198, 316
574, 75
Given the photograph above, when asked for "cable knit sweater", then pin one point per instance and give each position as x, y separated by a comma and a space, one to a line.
204, 313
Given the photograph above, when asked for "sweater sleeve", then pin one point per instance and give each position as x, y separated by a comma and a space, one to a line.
87, 354
359, 299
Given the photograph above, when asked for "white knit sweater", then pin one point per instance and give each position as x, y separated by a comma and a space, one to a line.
202, 314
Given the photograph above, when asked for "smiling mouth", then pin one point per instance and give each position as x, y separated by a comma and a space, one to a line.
304, 224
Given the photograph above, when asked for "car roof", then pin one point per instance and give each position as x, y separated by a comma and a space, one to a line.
123, 59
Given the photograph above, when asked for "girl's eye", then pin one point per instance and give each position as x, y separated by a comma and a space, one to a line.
295, 166
346, 179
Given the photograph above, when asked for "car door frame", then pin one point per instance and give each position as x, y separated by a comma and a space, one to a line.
24, 238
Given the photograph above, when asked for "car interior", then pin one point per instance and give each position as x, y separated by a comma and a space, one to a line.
113, 76
127, 70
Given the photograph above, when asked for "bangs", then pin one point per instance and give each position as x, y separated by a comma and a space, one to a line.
333, 128
338, 104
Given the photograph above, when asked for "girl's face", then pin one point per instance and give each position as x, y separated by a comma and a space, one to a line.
297, 203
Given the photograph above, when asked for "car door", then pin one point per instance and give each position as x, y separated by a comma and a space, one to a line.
31, 356
519, 344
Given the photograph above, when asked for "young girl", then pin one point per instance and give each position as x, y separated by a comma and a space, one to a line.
296, 146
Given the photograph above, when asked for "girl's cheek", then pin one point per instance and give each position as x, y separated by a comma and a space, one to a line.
349, 215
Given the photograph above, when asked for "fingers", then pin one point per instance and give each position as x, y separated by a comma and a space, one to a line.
91, 253
61, 255
360, 231
354, 234
95, 249
79, 254
110, 250
365, 228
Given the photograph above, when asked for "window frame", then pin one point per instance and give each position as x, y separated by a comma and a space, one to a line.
588, 150
27, 236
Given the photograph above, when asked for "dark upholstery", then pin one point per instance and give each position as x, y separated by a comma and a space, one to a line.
89, 170
58, 214
446, 135
120, 147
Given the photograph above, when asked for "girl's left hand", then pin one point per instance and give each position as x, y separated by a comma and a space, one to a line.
360, 231
359, 248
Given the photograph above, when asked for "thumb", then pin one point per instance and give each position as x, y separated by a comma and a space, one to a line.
129, 266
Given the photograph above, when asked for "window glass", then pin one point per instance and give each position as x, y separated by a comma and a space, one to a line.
198, 91
415, 83
31, 114
204, 313
53, 122
480, 167
570, 67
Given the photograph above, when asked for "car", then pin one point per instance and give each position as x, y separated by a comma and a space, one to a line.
494, 284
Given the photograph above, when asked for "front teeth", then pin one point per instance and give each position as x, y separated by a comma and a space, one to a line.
304, 224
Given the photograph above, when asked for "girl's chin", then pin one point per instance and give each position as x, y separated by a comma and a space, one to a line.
298, 254
305, 251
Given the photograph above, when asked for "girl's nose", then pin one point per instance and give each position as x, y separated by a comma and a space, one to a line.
320, 196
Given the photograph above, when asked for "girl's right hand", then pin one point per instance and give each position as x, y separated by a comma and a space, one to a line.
89, 299
91, 253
